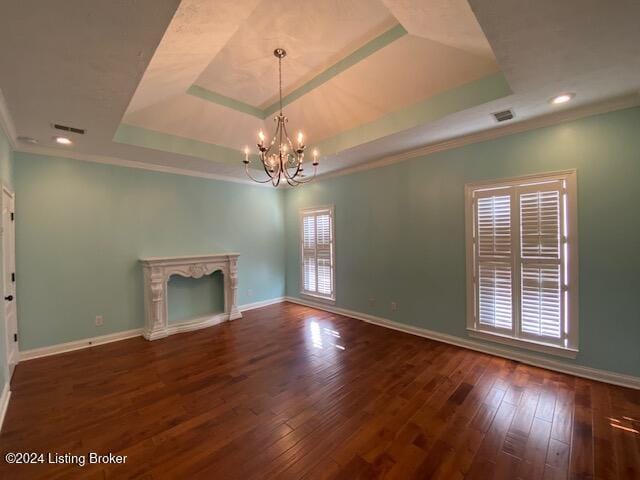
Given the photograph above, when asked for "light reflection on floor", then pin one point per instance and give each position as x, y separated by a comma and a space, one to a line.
324, 338
620, 424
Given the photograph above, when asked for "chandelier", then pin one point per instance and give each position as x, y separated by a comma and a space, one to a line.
279, 157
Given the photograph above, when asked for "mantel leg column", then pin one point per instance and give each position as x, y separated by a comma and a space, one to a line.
234, 313
156, 321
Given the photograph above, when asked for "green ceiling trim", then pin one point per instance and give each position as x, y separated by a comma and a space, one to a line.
143, 137
457, 99
361, 53
225, 101
466, 96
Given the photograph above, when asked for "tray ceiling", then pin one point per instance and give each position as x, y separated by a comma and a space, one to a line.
349, 63
187, 84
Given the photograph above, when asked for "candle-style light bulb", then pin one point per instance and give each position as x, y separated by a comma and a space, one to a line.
315, 157
246, 154
261, 137
300, 138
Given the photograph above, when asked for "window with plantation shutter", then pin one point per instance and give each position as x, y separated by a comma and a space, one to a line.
318, 256
493, 224
522, 283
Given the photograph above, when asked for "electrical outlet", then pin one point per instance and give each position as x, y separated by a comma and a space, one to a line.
99, 320
372, 301
249, 292
394, 306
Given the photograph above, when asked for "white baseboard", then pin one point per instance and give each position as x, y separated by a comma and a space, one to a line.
577, 370
114, 337
260, 304
78, 344
4, 402
550, 364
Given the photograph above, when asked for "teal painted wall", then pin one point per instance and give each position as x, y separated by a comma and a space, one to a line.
189, 298
83, 226
400, 231
6, 177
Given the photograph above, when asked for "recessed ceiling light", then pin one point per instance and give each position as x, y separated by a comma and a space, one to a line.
63, 140
563, 98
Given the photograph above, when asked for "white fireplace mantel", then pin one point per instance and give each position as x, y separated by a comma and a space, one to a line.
158, 270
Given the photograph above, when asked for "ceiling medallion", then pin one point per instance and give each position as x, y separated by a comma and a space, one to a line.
280, 159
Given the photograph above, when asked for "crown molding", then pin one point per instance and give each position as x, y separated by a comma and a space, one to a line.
617, 103
6, 123
120, 162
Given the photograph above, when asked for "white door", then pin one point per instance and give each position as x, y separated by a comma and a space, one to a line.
9, 276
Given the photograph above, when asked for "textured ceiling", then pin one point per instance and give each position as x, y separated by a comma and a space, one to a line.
368, 65
450, 22
185, 84
315, 35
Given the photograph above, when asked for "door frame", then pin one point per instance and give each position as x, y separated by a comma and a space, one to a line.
8, 369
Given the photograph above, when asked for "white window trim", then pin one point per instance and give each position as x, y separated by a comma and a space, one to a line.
570, 176
318, 297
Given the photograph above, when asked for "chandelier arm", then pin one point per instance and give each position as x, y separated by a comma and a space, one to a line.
278, 171
315, 171
298, 157
298, 167
288, 176
273, 140
286, 135
295, 174
246, 168
264, 166
276, 181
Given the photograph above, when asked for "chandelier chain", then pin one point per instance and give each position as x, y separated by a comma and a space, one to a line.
280, 81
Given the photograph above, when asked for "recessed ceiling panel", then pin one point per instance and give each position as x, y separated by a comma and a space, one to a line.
315, 34
409, 70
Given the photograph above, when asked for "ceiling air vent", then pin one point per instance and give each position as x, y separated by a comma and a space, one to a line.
66, 128
503, 116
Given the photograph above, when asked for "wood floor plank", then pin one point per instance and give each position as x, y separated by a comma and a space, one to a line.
296, 393
581, 464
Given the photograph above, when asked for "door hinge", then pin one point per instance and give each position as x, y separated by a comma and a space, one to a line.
15, 337
13, 277
13, 216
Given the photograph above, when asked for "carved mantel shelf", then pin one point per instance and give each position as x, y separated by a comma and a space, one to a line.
158, 270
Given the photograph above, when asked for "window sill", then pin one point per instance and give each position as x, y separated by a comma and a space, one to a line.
319, 298
526, 344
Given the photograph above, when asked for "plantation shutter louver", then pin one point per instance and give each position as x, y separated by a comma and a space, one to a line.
317, 252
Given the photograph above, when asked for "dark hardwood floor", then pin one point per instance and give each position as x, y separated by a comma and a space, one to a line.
292, 392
